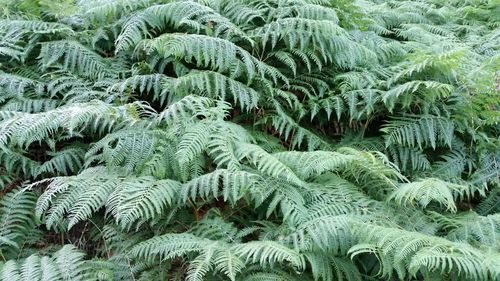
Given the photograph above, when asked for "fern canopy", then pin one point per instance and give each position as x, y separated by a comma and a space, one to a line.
253, 140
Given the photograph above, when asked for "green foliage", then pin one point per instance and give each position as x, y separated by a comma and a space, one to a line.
65, 264
17, 221
428, 190
249, 140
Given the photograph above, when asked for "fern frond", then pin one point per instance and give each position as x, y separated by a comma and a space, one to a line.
216, 86
23, 129
409, 159
176, 14
36, 27
425, 130
194, 106
194, 142
143, 83
471, 227
441, 61
491, 204
332, 268
230, 185
129, 200
412, 252
265, 162
404, 93
272, 276
269, 252
217, 54
328, 233
299, 33
16, 219
18, 84
76, 58
16, 162
63, 162
30, 105
169, 246
127, 148
288, 128
65, 264
317, 10
451, 164
12, 45
141, 199
228, 263
101, 12
312, 164
428, 190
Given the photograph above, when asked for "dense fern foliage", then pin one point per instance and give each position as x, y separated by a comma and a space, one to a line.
249, 140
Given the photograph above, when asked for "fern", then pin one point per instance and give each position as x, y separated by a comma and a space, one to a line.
296, 32
269, 252
218, 54
63, 162
429, 190
133, 201
25, 129
65, 264
249, 140
430, 90
330, 268
270, 166
177, 14
123, 198
75, 58
423, 252
16, 219
428, 131
471, 227
215, 85
37, 27
229, 185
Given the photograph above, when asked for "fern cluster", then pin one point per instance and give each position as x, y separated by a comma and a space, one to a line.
249, 140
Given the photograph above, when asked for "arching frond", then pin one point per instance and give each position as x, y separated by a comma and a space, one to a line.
129, 200
196, 106
23, 129
290, 129
18, 84
141, 199
35, 26
16, 220
73, 56
269, 252
63, 162
178, 14
428, 190
99, 12
428, 90
170, 246
216, 86
409, 158
142, 83
471, 227
410, 252
65, 264
229, 185
420, 131
217, 54
266, 162
332, 268
298, 33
